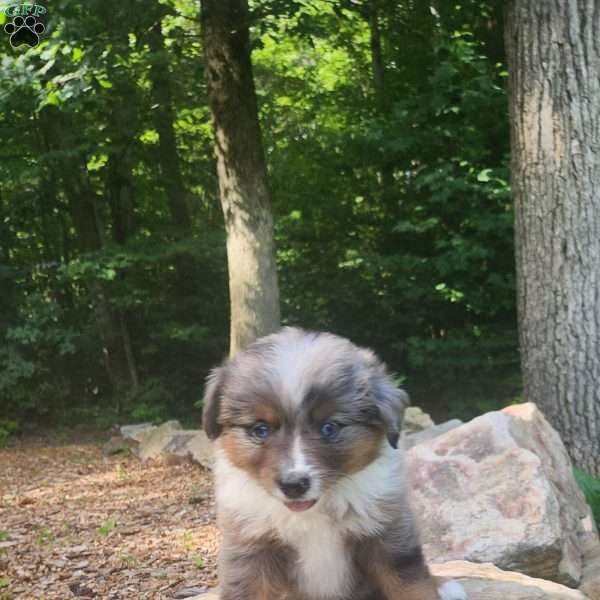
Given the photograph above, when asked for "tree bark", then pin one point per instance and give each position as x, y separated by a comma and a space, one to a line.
120, 176
242, 171
554, 65
80, 197
187, 269
164, 117
382, 100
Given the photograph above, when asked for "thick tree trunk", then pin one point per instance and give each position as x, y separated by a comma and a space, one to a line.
554, 64
243, 184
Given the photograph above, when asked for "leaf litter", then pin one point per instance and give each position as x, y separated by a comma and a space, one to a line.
75, 523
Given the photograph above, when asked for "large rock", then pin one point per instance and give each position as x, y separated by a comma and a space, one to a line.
590, 581
500, 489
135, 432
169, 441
487, 582
412, 439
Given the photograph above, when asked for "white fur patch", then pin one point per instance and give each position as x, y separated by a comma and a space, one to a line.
298, 457
323, 568
452, 590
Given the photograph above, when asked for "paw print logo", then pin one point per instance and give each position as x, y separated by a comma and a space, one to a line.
24, 31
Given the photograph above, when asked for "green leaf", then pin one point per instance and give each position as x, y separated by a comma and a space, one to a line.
484, 176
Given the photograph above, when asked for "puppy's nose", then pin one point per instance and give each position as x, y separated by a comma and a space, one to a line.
294, 486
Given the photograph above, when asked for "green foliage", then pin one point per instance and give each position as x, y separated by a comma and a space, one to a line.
106, 527
44, 536
7, 428
392, 211
591, 490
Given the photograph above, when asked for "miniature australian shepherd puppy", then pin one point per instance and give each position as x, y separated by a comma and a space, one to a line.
310, 488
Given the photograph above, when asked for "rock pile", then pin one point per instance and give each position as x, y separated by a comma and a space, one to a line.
498, 503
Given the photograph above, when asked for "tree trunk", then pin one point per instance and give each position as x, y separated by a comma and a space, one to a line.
82, 207
554, 64
242, 171
164, 118
186, 266
120, 177
382, 100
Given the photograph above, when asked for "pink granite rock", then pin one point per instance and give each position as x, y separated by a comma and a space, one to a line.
500, 489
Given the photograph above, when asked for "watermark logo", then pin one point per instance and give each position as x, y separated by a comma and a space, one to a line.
25, 26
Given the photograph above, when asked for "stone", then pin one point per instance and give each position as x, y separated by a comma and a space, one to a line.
209, 595
118, 445
590, 580
412, 439
500, 489
201, 449
191, 593
153, 442
416, 420
134, 432
487, 582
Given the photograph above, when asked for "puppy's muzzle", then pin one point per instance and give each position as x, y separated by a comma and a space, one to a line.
294, 486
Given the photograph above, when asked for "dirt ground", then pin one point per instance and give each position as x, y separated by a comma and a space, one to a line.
75, 523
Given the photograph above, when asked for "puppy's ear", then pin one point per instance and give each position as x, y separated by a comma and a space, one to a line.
390, 400
211, 403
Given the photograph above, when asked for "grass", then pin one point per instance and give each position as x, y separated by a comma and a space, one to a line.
44, 536
591, 490
187, 540
107, 527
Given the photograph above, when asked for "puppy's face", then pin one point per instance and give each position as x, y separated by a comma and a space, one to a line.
298, 411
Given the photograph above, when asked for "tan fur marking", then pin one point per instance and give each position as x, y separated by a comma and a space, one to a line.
394, 587
262, 463
364, 451
266, 413
236, 452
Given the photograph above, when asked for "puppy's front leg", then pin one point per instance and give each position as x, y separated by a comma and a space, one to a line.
254, 572
405, 576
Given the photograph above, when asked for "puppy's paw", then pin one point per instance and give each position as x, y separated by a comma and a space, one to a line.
452, 590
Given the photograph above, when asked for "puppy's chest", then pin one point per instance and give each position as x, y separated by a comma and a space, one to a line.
324, 566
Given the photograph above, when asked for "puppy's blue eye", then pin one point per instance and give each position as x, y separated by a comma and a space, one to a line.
260, 430
329, 430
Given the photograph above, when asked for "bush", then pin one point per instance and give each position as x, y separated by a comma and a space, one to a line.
591, 490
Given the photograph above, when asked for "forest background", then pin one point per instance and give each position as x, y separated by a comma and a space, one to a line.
385, 127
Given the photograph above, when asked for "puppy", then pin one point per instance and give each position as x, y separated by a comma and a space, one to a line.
309, 482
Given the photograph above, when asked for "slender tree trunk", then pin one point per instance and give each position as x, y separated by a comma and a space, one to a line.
120, 188
243, 182
120, 179
186, 266
82, 207
554, 64
382, 100
164, 118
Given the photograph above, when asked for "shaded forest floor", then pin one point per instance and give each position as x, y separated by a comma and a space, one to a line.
77, 524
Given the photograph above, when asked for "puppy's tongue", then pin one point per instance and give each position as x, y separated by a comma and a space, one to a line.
300, 505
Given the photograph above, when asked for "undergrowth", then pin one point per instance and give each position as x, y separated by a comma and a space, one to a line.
591, 490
